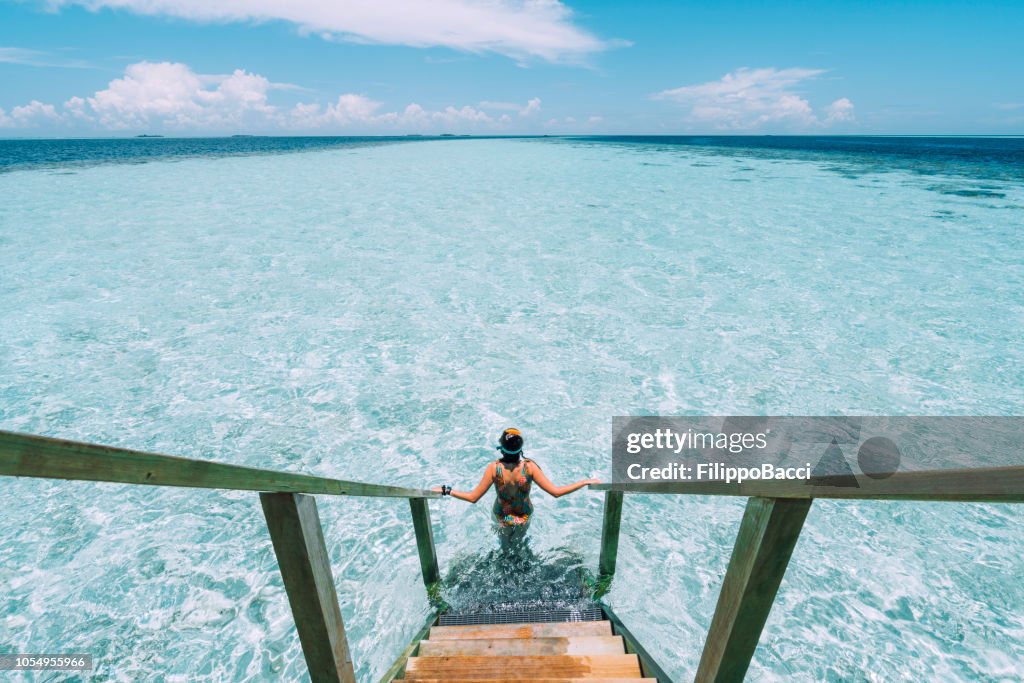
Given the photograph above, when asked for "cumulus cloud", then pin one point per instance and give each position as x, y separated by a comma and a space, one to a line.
347, 110
167, 95
172, 94
468, 114
360, 110
751, 98
517, 28
33, 113
840, 111
531, 108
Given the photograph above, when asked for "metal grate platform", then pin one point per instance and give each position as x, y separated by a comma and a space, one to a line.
527, 616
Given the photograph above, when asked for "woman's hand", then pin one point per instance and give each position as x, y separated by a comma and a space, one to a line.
436, 488
588, 482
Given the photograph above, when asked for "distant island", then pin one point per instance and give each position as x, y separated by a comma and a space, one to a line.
149, 136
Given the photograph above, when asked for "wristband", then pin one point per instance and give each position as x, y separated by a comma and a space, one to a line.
446, 490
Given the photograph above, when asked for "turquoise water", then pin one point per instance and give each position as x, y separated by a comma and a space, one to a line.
381, 312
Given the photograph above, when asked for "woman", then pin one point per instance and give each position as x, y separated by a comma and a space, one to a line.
512, 475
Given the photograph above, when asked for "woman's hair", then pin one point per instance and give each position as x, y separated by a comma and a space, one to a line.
511, 446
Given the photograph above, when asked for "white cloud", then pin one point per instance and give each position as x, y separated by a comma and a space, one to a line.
751, 98
516, 28
531, 108
360, 110
452, 115
347, 110
75, 108
172, 94
840, 111
158, 96
33, 113
414, 116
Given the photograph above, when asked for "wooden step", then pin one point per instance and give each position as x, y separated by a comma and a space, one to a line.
528, 668
541, 680
565, 629
573, 645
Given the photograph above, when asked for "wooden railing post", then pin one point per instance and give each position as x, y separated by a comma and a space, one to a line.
424, 541
610, 533
767, 536
306, 569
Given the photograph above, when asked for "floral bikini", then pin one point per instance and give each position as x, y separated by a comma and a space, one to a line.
512, 507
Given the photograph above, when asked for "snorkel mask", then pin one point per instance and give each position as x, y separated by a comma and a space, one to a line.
510, 445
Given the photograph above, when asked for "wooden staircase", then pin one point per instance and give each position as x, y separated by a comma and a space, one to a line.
539, 652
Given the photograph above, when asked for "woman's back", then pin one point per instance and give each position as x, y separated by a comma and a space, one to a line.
512, 507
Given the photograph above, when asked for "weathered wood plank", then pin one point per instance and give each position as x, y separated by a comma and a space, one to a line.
601, 679
425, 541
521, 647
976, 485
305, 567
610, 533
557, 629
24, 455
764, 544
523, 668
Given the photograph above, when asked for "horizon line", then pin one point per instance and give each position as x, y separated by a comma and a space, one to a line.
446, 136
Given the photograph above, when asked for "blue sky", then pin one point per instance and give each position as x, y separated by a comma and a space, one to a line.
207, 67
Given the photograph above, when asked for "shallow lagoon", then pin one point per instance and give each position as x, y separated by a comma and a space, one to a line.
381, 312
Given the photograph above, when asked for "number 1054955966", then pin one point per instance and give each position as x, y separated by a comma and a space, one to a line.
46, 662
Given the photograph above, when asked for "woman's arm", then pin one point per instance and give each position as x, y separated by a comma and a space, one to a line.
557, 491
474, 495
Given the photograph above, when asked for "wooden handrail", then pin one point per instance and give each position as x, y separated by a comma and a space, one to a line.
769, 532
974, 485
767, 536
25, 455
291, 517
